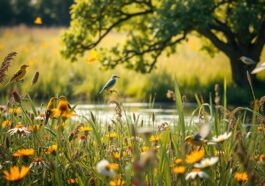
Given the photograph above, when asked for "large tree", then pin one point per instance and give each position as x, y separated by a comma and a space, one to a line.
235, 27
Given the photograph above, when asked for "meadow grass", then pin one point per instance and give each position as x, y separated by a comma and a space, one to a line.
194, 70
84, 151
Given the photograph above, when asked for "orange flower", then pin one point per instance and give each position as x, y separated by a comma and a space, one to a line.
34, 128
5, 123
72, 181
241, 176
113, 166
195, 156
52, 149
23, 152
154, 138
116, 182
179, 170
14, 174
178, 161
38, 21
14, 111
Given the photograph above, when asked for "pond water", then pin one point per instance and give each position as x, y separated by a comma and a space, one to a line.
164, 112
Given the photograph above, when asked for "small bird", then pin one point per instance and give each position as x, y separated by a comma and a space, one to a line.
247, 60
199, 138
109, 84
258, 68
63, 108
19, 74
49, 110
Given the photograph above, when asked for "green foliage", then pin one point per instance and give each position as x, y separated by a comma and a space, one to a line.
153, 27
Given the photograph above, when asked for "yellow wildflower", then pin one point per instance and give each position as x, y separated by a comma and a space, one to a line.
14, 174
112, 135
14, 110
154, 138
38, 21
113, 166
52, 149
23, 152
116, 182
241, 176
5, 123
85, 129
195, 156
178, 161
179, 170
92, 56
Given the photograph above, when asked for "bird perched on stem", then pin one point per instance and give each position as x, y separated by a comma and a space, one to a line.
19, 74
49, 110
63, 108
109, 84
199, 138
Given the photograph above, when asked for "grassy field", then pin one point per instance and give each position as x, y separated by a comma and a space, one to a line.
192, 69
86, 152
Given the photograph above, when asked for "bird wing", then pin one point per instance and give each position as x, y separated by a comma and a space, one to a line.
258, 68
108, 85
205, 130
247, 60
19, 74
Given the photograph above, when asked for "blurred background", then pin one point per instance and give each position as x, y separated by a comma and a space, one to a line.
39, 45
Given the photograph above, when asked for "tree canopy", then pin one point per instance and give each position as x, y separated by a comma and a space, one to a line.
234, 27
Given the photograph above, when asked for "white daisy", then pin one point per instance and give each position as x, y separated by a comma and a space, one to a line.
221, 138
103, 169
196, 173
20, 129
206, 162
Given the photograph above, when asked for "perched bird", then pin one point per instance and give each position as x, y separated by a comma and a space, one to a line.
258, 68
49, 110
199, 138
109, 84
63, 108
247, 60
19, 74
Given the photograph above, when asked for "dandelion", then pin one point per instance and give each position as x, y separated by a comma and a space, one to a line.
14, 111
112, 135
38, 21
14, 174
179, 170
196, 173
116, 182
195, 156
24, 152
20, 129
102, 168
241, 176
154, 138
72, 181
52, 149
207, 162
221, 138
6, 123
38, 163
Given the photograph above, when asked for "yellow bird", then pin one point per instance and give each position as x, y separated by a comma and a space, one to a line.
19, 74
49, 110
63, 108
199, 138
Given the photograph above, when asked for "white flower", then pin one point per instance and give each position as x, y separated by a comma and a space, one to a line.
38, 163
102, 168
39, 118
206, 162
196, 172
20, 129
222, 137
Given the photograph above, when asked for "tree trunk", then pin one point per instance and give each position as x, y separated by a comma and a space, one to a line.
239, 71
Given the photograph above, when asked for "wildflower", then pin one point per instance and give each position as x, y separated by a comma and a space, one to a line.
113, 166
116, 182
241, 176
41, 117
112, 135
20, 129
38, 163
14, 174
14, 111
72, 181
5, 123
207, 162
260, 157
116, 155
52, 149
221, 138
196, 173
33, 128
179, 170
82, 137
195, 156
178, 161
23, 152
103, 169
154, 138
145, 148
38, 21
92, 56
85, 129
63, 109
